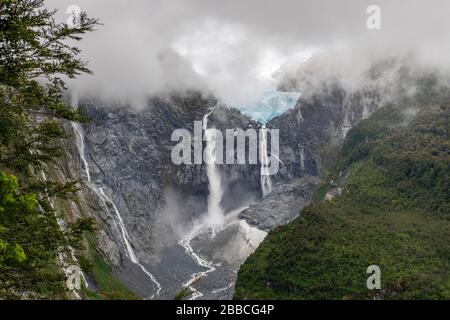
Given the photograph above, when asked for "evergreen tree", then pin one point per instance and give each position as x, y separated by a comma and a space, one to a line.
36, 53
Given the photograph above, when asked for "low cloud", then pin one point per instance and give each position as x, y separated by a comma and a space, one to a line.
230, 48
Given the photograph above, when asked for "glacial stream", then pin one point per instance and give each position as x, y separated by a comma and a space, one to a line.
206, 259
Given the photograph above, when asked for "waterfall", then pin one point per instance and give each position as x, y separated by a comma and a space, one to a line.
215, 217
79, 139
251, 237
186, 244
126, 240
266, 182
215, 212
80, 146
302, 158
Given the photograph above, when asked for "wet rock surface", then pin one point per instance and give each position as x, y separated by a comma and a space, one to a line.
282, 205
129, 157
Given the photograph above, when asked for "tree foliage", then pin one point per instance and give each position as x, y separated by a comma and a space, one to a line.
36, 54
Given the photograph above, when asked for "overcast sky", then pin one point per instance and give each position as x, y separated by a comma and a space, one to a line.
231, 47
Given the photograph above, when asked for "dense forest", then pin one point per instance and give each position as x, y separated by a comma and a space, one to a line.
391, 209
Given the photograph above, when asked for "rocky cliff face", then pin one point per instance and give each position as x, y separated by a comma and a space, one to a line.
150, 211
134, 185
145, 205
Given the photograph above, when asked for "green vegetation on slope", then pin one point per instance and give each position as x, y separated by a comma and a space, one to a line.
108, 286
34, 56
394, 212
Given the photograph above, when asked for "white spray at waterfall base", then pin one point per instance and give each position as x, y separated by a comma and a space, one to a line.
242, 244
79, 137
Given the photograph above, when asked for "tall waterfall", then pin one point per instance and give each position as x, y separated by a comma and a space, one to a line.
80, 146
215, 212
266, 182
247, 238
79, 139
215, 216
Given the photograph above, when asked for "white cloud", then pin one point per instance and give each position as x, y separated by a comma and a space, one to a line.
231, 47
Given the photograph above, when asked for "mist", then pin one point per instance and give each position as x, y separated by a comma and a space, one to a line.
231, 49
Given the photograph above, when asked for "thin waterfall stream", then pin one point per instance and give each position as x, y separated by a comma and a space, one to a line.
79, 138
266, 182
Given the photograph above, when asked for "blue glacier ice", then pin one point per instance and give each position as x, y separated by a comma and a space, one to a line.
272, 104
